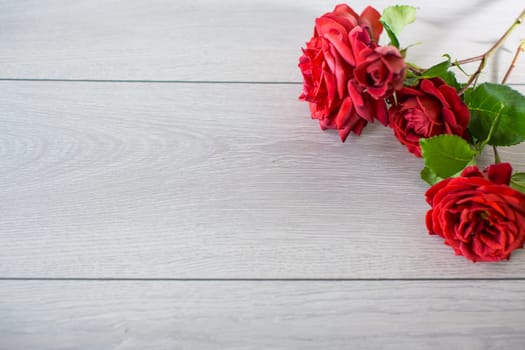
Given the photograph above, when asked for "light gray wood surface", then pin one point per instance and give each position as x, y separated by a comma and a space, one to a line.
208, 181
256, 40
154, 185
460, 315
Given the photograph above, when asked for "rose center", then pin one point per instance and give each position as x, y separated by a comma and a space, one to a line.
484, 215
375, 74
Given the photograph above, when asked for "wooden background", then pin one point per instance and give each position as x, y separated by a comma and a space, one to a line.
163, 188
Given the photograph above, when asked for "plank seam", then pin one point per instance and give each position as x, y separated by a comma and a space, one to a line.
142, 81
116, 279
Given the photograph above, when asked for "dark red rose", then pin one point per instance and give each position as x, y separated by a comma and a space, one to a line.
481, 218
429, 109
380, 71
328, 63
366, 106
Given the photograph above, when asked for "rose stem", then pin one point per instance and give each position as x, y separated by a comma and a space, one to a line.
520, 49
467, 60
497, 159
490, 51
414, 69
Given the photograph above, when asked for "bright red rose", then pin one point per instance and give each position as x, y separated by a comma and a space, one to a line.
481, 218
327, 66
380, 71
429, 109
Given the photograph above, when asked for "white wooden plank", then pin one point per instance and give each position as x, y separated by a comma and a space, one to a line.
255, 315
220, 40
207, 180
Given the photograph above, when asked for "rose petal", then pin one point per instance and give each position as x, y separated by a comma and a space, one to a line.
370, 19
336, 34
499, 173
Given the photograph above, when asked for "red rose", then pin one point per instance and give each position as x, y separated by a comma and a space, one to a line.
429, 109
327, 65
481, 218
365, 106
369, 19
380, 71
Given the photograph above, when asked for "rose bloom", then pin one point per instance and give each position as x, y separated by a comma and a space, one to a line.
480, 217
327, 66
380, 71
429, 109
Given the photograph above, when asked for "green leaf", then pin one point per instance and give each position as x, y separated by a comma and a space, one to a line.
447, 155
497, 114
411, 78
517, 182
450, 78
411, 81
429, 176
438, 70
441, 70
398, 17
394, 41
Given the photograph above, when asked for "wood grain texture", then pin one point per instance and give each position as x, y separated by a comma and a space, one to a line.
204, 181
207, 181
221, 40
270, 315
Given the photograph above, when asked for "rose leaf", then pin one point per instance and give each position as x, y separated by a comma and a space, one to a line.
517, 182
447, 155
441, 70
395, 18
394, 41
450, 78
429, 176
497, 114
436, 71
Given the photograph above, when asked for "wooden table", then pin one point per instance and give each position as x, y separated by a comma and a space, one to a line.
163, 188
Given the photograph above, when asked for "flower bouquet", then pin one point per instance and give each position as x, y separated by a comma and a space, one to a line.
350, 80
